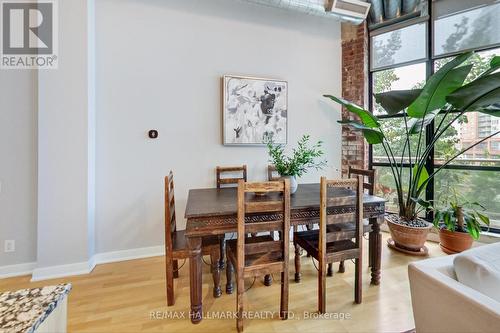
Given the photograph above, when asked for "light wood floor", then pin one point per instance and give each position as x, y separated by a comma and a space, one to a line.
121, 297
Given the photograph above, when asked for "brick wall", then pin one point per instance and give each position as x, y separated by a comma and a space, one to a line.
355, 89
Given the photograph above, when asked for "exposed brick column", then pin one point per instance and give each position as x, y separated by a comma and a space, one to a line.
354, 88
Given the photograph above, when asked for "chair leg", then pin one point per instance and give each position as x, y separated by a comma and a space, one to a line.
222, 246
175, 267
268, 281
297, 262
330, 270
240, 289
342, 267
322, 287
170, 281
357, 282
229, 275
284, 296
215, 260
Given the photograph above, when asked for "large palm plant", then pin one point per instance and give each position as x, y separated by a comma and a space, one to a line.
443, 94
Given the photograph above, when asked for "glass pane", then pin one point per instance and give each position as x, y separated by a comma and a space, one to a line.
399, 46
401, 78
395, 133
471, 128
385, 187
470, 29
474, 186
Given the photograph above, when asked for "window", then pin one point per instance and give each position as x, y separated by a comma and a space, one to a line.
465, 29
473, 186
473, 127
397, 63
399, 46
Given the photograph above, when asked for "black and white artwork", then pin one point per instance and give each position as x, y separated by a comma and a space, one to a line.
254, 110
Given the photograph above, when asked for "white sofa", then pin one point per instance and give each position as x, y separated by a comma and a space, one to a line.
443, 304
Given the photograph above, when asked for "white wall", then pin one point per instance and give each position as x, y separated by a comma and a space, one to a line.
158, 65
18, 165
64, 170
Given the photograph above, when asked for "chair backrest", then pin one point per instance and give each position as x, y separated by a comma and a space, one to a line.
254, 200
170, 221
231, 180
369, 177
338, 193
272, 174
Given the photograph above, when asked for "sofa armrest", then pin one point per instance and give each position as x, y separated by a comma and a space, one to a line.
442, 304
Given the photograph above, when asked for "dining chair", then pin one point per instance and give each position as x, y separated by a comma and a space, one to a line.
230, 181
272, 173
332, 246
176, 247
368, 177
261, 255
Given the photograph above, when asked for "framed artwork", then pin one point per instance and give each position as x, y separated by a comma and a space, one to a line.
254, 110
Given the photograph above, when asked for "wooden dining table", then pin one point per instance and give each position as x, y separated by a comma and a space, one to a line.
212, 211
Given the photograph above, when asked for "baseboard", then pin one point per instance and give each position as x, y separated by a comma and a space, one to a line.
59, 271
85, 267
123, 255
17, 270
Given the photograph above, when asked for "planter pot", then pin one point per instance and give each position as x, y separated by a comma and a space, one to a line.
293, 183
406, 238
454, 242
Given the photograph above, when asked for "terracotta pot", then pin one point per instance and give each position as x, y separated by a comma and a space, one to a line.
408, 238
454, 242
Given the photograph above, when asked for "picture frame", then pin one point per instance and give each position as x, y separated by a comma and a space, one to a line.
254, 111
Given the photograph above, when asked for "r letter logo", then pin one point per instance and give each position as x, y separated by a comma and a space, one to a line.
28, 34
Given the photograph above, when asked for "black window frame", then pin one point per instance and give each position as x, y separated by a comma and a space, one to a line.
429, 64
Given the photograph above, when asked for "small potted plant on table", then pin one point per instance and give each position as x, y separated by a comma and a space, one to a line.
459, 224
444, 95
303, 158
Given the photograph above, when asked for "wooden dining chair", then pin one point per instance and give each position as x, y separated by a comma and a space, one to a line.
332, 246
368, 177
176, 247
230, 181
257, 256
272, 173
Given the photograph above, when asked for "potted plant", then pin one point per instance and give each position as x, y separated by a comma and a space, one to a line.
303, 158
459, 224
444, 95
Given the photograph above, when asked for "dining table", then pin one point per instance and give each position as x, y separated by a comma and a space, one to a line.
213, 212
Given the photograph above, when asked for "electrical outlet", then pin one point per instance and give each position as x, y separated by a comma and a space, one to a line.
10, 246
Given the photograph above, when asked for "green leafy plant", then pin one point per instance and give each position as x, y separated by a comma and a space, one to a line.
461, 216
443, 94
303, 157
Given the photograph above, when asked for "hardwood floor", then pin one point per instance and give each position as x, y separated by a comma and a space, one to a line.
130, 297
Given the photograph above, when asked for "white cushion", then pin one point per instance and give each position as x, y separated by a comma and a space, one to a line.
479, 269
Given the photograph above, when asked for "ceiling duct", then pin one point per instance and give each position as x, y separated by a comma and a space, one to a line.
386, 12
353, 11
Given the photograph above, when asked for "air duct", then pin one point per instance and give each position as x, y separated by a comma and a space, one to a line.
322, 8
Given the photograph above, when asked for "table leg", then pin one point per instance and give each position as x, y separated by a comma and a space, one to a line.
376, 249
195, 281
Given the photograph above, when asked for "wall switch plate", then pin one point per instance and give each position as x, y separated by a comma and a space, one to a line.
9, 246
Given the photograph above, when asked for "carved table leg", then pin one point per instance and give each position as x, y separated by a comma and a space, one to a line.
222, 245
297, 263
329, 272
229, 276
215, 260
195, 281
376, 249
342, 267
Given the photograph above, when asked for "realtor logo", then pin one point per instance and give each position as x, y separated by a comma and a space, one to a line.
28, 34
